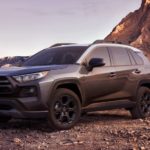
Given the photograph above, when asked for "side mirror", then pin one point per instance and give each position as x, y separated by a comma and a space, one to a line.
95, 62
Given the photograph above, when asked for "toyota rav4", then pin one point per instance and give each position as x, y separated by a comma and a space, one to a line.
62, 82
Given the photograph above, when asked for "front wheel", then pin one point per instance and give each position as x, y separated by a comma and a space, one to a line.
142, 107
64, 109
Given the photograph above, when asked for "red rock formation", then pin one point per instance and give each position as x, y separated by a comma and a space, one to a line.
134, 29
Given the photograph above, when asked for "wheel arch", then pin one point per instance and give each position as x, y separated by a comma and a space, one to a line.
145, 83
140, 83
71, 84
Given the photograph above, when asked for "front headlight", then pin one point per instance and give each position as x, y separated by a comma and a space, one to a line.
30, 77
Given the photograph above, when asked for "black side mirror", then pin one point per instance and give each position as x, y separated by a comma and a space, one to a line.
95, 62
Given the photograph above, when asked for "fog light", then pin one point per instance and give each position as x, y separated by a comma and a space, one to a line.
28, 92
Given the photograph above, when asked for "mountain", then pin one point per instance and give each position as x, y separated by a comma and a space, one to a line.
134, 29
10, 61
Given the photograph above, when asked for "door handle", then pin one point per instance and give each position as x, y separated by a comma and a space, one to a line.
137, 71
112, 74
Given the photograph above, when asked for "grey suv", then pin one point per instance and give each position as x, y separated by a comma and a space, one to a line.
62, 82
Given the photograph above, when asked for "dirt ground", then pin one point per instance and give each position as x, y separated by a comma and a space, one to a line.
108, 130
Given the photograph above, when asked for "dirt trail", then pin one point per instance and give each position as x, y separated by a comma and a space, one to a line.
108, 130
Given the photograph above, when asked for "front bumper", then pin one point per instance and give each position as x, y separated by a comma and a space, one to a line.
19, 109
30, 106
24, 114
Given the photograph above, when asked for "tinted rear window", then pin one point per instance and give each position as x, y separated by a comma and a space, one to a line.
137, 58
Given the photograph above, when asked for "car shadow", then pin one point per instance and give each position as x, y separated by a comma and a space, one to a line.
106, 116
42, 125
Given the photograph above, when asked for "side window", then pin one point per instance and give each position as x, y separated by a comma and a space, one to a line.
137, 58
120, 56
131, 57
100, 52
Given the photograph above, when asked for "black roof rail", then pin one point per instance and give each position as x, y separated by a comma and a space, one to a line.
60, 44
104, 41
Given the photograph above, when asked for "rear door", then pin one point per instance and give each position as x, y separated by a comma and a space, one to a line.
124, 67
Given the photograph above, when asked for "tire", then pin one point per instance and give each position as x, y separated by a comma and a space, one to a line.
64, 109
4, 119
142, 107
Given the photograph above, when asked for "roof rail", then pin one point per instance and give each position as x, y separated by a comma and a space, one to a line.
104, 41
60, 44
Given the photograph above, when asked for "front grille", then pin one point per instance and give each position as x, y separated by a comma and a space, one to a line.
5, 86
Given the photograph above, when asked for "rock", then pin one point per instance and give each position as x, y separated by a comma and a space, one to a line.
78, 142
134, 29
147, 122
17, 141
106, 139
66, 142
144, 137
141, 120
134, 148
142, 148
12, 61
131, 133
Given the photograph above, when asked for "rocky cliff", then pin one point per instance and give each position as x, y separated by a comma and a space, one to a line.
134, 29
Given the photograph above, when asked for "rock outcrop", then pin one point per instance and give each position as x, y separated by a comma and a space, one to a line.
134, 29
12, 61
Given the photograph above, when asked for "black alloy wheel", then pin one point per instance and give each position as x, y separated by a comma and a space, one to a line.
142, 107
64, 110
145, 103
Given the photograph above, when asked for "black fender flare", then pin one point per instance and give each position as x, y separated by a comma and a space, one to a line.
141, 83
60, 82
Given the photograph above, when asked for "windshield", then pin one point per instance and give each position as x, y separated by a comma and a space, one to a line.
56, 56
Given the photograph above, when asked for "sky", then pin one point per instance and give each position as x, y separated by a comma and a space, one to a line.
27, 26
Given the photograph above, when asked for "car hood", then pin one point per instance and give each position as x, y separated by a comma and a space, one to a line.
14, 71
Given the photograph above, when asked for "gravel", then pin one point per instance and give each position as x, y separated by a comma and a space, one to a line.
107, 130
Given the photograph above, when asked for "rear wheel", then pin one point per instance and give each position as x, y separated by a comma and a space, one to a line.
64, 109
142, 107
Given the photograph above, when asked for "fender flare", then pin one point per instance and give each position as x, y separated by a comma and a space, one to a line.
68, 81
142, 82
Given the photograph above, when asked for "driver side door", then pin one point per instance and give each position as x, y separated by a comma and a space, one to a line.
101, 80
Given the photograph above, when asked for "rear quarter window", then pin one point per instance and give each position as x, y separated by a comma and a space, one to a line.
137, 58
